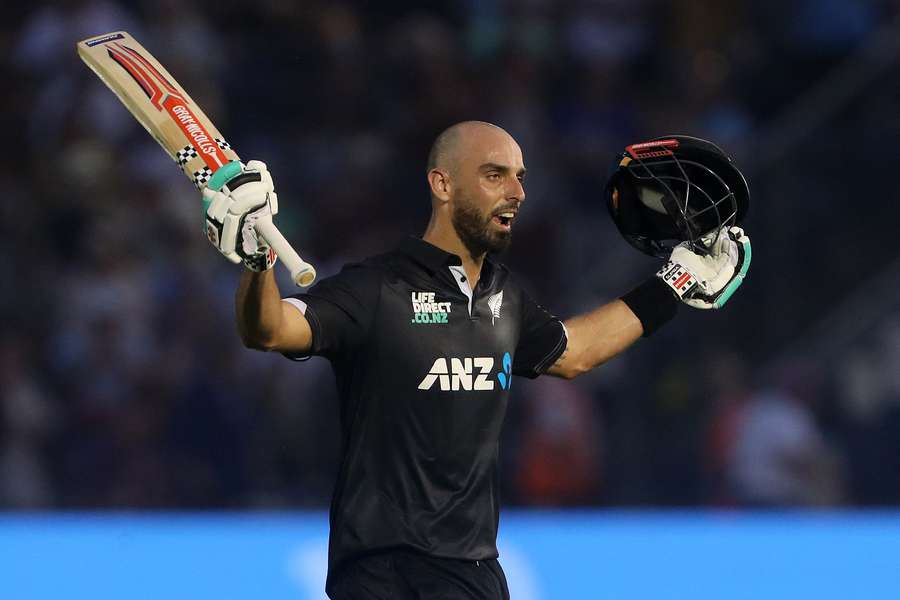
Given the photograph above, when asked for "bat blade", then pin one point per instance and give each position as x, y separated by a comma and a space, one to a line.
159, 103
174, 120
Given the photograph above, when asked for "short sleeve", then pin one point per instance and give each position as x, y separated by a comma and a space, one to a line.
339, 310
542, 340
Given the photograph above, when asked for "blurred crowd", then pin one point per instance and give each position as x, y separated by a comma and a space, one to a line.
123, 383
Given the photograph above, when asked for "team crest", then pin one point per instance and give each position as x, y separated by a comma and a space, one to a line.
494, 303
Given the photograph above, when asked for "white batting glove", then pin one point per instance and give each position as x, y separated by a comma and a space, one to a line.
232, 214
709, 281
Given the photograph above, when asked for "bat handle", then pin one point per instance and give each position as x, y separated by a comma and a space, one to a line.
302, 272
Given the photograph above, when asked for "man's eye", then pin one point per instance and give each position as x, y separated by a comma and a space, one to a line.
494, 176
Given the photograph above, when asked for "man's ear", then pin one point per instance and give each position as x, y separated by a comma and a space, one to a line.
439, 181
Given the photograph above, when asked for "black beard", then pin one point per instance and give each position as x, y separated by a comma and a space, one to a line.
475, 231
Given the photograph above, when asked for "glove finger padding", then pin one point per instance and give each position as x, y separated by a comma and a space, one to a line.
707, 282
232, 214
258, 165
215, 209
250, 241
744, 254
250, 196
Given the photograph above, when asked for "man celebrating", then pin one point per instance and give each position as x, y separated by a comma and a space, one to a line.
425, 341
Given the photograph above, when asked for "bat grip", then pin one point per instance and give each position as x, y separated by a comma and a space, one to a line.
302, 273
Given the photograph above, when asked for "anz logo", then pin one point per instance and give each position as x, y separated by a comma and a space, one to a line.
467, 374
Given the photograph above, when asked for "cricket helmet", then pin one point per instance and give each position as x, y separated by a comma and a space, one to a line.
674, 189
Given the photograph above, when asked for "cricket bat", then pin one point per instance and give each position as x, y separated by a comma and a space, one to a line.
165, 110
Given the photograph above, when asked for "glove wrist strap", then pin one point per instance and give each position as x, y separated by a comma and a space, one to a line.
652, 303
263, 261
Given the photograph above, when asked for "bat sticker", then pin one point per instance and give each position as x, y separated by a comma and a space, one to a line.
104, 39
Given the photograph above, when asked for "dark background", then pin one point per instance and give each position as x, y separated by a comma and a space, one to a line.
123, 383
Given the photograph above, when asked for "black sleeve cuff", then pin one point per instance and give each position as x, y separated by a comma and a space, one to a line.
653, 303
314, 325
547, 362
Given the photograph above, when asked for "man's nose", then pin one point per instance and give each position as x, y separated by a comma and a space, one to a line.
516, 190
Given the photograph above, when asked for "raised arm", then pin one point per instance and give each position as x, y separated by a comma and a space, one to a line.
265, 321
232, 214
704, 282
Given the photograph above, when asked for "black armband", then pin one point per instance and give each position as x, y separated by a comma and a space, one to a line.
653, 303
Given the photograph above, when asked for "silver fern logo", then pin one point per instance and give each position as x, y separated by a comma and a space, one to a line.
494, 303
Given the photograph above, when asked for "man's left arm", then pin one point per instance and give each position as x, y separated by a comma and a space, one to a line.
700, 281
596, 337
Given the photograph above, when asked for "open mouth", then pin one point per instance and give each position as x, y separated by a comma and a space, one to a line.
505, 219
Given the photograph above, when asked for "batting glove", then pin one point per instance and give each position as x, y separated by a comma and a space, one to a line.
233, 212
709, 281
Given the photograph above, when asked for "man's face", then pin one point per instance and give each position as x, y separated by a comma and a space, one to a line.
487, 191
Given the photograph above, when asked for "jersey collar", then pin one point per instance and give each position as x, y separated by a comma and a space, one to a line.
436, 260
428, 255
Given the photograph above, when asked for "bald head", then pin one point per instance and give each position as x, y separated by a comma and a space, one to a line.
476, 174
453, 142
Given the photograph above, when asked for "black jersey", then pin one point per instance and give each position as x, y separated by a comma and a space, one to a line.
424, 368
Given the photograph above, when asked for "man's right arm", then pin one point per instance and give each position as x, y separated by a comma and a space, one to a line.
264, 321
